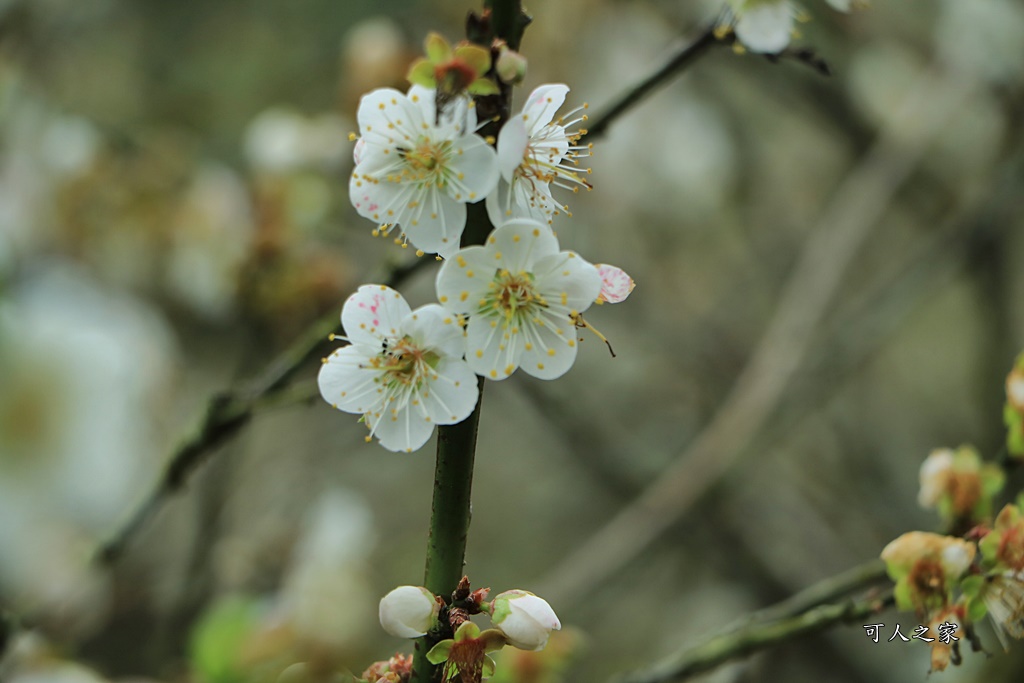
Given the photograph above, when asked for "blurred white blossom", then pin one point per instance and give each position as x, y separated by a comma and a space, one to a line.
85, 373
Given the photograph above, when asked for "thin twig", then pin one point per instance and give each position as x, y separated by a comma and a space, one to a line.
681, 60
758, 634
227, 412
689, 54
845, 223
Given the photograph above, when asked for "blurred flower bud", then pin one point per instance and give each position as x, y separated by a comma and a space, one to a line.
1015, 387
525, 619
960, 486
408, 611
511, 66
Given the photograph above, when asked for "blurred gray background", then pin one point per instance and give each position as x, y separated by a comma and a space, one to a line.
173, 212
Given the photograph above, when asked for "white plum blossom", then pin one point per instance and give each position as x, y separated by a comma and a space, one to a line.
418, 170
521, 294
526, 620
764, 25
408, 611
616, 284
536, 151
403, 370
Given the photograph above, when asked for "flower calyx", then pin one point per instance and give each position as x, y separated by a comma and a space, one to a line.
453, 71
466, 652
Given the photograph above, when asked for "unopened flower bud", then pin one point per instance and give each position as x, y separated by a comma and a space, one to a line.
616, 284
511, 66
525, 619
408, 611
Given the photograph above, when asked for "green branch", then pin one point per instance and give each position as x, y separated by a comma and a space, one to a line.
756, 635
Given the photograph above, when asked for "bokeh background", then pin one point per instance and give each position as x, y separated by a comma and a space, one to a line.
173, 212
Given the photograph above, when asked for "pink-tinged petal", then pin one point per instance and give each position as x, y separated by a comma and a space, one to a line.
475, 168
463, 279
435, 225
512, 141
616, 284
550, 348
401, 430
357, 150
381, 202
520, 242
436, 329
568, 280
492, 351
451, 393
766, 28
346, 380
542, 104
373, 313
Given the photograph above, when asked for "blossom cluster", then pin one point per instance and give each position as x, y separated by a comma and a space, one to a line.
514, 302
520, 619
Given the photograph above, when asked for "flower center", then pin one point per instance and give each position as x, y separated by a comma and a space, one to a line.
404, 363
511, 294
426, 160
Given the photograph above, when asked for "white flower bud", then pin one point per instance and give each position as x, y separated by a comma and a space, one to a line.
408, 611
525, 619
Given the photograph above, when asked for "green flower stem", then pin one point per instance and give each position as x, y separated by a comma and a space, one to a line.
507, 20
456, 444
449, 523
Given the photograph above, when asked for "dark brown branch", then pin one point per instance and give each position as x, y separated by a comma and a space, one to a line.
225, 415
680, 61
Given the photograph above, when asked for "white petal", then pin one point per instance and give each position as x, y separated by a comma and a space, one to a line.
476, 165
511, 146
567, 280
401, 429
521, 242
434, 328
841, 5
542, 104
425, 99
491, 350
372, 313
766, 28
436, 226
550, 348
383, 107
464, 279
452, 393
521, 199
347, 382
